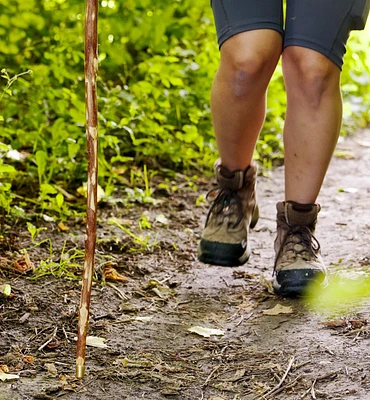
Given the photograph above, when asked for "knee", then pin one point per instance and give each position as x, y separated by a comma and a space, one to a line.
248, 71
309, 75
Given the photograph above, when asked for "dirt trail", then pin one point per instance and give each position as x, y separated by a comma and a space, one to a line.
150, 354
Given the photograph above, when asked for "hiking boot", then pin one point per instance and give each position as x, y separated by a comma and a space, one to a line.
298, 262
233, 211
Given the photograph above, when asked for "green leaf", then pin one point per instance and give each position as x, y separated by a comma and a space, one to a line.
41, 161
59, 199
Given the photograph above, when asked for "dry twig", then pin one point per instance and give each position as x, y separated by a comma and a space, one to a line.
121, 295
278, 386
51, 337
313, 394
211, 374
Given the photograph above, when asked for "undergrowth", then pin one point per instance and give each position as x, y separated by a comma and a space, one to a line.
157, 63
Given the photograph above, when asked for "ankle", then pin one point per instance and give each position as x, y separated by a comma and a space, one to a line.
294, 213
235, 179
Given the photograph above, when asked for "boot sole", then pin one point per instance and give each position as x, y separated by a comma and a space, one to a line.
298, 283
226, 254
222, 254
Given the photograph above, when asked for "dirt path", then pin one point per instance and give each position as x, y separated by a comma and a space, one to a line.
151, 354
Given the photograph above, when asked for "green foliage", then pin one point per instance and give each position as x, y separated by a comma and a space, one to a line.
157, 62
348, 290
143, 242
68, 267
7, 172
153, 91
356, 81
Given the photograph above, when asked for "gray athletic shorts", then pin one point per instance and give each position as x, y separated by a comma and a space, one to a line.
321, 25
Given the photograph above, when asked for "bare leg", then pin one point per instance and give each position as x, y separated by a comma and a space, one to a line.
238, 110
313, 121
238, 95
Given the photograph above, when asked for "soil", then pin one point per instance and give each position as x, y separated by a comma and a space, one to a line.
312, 353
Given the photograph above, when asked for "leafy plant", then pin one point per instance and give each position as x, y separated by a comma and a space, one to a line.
157, 63
34, 231
142, 242
68, 266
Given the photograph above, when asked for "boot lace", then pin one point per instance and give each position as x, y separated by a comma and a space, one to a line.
224, 203
299, 240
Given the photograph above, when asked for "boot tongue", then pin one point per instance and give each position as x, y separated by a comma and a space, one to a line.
229, 180
301, 214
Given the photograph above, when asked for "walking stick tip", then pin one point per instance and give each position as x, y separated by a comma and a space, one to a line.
80, 371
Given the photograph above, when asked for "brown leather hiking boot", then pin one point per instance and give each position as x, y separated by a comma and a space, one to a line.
233, 211
298, 262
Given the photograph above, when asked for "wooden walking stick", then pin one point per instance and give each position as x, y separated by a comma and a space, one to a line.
91, 71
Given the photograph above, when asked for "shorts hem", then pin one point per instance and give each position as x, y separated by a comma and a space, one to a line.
232, 31
309, 44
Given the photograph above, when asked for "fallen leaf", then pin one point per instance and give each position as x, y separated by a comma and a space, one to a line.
68, 383
357, 323
349, 324
158, 293
47, 218
341, 323
62, 227
278, 309
206, 332
152, 283
161, 219
160, 289
24, 318
51, 368
24, 264
266, 284
7, 377
111, 274
94, 341
6, 290
239, 374
29, 359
